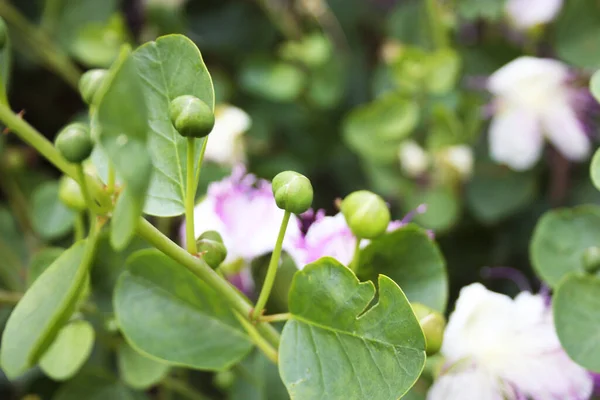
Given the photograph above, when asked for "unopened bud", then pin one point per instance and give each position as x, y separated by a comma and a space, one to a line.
191, 116
90, 82
293, 192
433, 324
366, 214
74, 142
591, 259
211, 248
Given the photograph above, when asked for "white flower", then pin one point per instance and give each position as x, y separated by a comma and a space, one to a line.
533, 100
225, 142
497, 348
459, 158
525, 14
413, 159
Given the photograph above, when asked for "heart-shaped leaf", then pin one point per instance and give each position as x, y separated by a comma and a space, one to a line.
166, 312
41, 313
333, 349
171, 66
413, 261
560, 240
576, 306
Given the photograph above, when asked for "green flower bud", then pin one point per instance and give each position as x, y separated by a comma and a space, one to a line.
74, 142
211, 248
224, 379
3, 33
70, 194
293, 192
366, 214
433, 324
191, 116
591, 259
90, 82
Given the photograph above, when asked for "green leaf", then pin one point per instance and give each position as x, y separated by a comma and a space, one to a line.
69, 351
5, 69
41, 313
492, 10
413, 261
276, 81
577, 33
595, 169
95, 385
443, 207
576, 307
560, 239
97, 44
333, 349
166, 312
170, 67
495, 192
73, 16
137, 370
122, 123
257, 378
444, 70
41, 261
375, 130
50, 218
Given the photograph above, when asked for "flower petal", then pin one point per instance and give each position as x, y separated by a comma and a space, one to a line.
467, 384
225, 144
566, 132
528, 13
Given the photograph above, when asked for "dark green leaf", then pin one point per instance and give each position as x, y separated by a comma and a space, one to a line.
576, 306
413, 261
51, 219
333, 349
560, 239
168, 313
257, 378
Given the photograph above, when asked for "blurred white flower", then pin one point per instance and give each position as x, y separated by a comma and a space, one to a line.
497, 348
533, 99
226, 142
525, 14
413, 159
459, 158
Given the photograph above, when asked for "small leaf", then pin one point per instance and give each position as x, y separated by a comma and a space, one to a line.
69, 351
170, 67
51, 219
137, 370
576, 307
413, 261
166, 312
333, 349
41, 313
122, 125
41, 261
95, 385
560, 239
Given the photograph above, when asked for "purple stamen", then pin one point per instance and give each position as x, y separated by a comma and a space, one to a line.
421, 209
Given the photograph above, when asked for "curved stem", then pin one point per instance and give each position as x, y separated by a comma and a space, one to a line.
356, 257
112, 177
257, 339
190, 197
272, 271
275, 317
86, 195
199, 164
79, 227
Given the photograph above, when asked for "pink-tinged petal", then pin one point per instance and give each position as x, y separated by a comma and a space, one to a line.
469, 383
566, 132
515, 138
330, 236
528, 13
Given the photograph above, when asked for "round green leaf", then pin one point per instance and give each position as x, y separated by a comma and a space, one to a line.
51, 219
41, 313
413, 261
168, 313
69, 351
333, 349
98, 44
576, 306
41, 261
595, 170
137, 370
560, 240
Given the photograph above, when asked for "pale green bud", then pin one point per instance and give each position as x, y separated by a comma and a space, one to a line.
366, 214
293, 192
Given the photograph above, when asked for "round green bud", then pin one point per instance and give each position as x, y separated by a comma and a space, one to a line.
591, 259
191, 116
74, 142
293, 192
433, 324
3, 33
224, 379
90, 82
70, 194
366, 214
211, 248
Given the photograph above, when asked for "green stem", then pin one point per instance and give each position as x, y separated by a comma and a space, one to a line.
275, 317
112, 177
199, 268
86, 194
183, 389
38, 42
436, 26
79, 227
190, 197
356, 257
200, 160
272, 271
257, 339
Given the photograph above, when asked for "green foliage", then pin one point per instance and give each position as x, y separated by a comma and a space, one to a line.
40, 261
576, 34
51, 219
163, 311
95, 385
409, 257
331, 334
137, 370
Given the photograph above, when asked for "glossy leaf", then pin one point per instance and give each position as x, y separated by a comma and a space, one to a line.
122, 127
170, 67
41, 261
333, 349
166, 312
137, 370
41, 313
413, 261
69, 351
576, 307
560, 239
95, 385
51, 219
